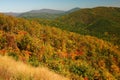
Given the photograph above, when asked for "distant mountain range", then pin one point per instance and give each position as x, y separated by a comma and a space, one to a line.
43, 13
12, 14
51, 11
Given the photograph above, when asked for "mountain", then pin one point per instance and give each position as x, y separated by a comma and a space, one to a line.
101, 22
12, 14
43, 13
97, 21
50, 11
75, 56
72, 10
88, 16
47, 13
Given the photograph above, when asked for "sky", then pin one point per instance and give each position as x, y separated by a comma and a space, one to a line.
27, 5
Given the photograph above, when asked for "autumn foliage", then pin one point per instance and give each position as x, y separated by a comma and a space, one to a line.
73, 55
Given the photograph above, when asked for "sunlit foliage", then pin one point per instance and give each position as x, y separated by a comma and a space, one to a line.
72, 55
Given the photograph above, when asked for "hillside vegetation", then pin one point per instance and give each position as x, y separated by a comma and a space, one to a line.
101, 22
72, 55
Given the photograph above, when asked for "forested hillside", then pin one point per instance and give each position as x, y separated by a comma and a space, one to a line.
78, 57
101, 22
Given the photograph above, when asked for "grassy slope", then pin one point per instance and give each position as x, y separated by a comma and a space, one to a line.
70, 54
12, 70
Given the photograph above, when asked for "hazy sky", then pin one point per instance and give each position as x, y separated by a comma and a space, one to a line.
26, 5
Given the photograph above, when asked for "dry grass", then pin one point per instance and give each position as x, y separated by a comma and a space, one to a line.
12, 70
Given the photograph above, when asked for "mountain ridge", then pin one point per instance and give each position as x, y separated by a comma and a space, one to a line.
51, 11
42, 13
73, 10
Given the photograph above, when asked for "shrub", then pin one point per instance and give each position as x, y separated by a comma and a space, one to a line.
13, 54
